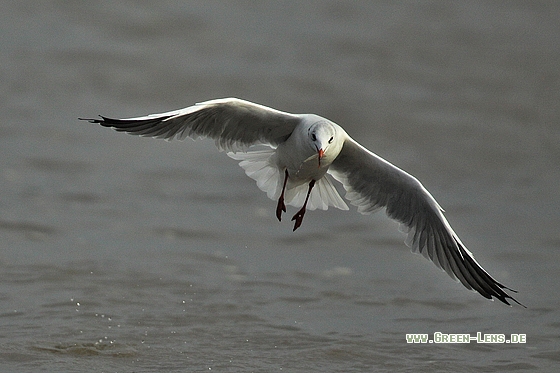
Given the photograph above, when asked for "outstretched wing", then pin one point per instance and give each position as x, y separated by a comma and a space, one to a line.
373, 183
233, 123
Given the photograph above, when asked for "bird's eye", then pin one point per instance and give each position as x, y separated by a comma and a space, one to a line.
331, 139
313, 137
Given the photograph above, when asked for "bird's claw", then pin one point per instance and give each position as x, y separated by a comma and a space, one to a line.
298, 217
281, 207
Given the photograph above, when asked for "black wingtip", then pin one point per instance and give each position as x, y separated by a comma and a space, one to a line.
513, 299
110, 122
504, 296
92, 120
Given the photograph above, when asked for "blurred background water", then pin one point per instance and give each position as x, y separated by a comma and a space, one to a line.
130, 254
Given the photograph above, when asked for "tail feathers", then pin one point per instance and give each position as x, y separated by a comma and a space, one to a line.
259, 165
324, 194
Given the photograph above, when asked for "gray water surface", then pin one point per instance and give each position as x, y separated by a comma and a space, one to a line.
125, 254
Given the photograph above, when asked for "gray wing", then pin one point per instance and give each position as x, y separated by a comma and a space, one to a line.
373, 183
233, 123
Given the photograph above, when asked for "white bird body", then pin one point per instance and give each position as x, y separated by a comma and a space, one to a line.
300, 159
302, 151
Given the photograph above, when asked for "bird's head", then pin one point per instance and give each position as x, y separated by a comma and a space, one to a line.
325, 140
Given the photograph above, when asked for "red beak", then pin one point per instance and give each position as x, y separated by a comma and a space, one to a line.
321, 154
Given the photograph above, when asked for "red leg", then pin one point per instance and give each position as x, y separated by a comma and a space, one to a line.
298, 217
281, 206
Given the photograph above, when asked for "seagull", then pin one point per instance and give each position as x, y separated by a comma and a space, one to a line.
292, 157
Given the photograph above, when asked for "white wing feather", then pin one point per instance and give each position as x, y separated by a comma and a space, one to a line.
233, 123
373, 183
